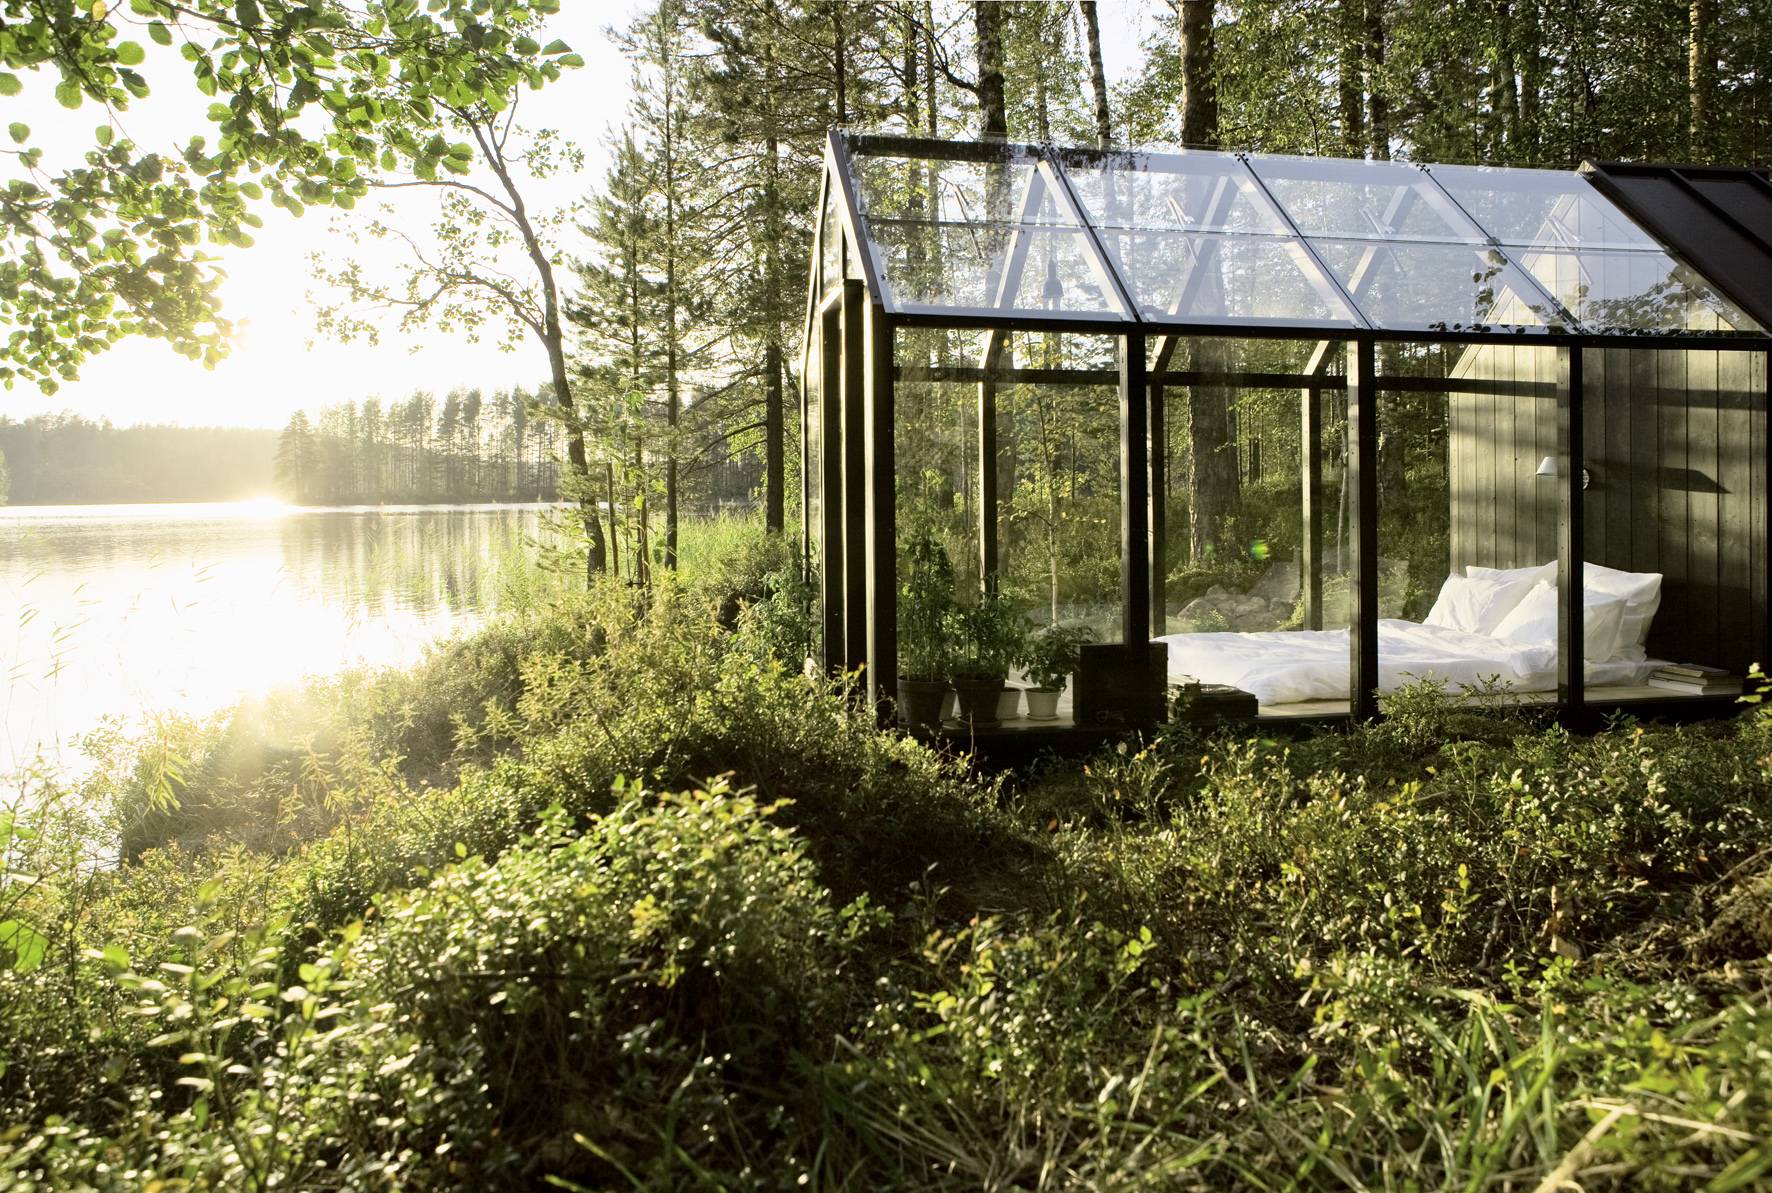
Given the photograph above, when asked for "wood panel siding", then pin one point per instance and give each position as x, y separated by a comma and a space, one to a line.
1503, 514
1676, 441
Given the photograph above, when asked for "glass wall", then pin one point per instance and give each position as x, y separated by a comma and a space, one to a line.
1467, 520
1058, 486
1257, 523
1674, 517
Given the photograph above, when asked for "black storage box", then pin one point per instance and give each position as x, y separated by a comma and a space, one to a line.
1120, 685
1194, 701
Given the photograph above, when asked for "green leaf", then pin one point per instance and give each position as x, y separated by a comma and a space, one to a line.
20, 132
9, 84
26, 944
130, 53
557, 47
160, 33
67, 94
572, 60
105, 134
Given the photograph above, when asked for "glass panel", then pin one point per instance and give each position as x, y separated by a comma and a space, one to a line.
1681, 436
935, 440
1184, 192
1369, 200
1435, 287
1244, 606
1626, 293
831, 242
1202, 278
965, 192
1030, 269
1547, 208
1467, 529
1058, 489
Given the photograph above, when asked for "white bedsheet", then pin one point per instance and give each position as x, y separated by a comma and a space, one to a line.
1288, 666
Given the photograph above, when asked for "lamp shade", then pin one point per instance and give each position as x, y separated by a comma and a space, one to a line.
1547, 466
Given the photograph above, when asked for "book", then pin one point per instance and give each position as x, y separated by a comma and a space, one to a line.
1693, 671
1724, 687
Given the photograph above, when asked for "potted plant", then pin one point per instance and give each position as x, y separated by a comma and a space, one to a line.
926, 609
1049, 659
990, 634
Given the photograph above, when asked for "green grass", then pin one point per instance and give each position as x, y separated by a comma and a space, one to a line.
607, 896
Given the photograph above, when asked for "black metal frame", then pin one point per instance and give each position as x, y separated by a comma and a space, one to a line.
853, 330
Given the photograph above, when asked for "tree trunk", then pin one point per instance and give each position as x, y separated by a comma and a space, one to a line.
931, 108
774, 461
774, 428
1104, 129
614, 530
1701, 69
1378, 104
993, 113
1504, 92
839, 65
1199, 76
1350, 73
1528, 138
1215, 489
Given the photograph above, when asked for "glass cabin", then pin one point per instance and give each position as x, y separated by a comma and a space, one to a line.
1305, 428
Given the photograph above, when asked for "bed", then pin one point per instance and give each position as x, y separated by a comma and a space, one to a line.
1488, 627
1289, 666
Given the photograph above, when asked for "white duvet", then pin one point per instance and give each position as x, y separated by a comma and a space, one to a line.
1293, 665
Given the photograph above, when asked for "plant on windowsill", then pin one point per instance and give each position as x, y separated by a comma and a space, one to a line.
926, 610
991, 635
1050, 658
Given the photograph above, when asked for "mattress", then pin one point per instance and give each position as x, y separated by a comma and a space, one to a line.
1285, 667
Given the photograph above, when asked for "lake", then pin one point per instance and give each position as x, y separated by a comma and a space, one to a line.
128, 610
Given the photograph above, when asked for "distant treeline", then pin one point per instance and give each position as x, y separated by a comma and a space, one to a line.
63, 458
466, 446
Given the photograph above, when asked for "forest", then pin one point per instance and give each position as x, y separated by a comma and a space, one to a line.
684, 319
57, 459
466, 447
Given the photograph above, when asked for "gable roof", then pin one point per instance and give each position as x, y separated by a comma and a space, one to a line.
1717, 218
1194, 241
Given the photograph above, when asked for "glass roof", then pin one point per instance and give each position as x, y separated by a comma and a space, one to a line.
1202, 238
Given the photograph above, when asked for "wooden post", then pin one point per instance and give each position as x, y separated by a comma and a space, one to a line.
882, 517
1362, 465
987, 483
1310, 560
1159, 506
1135, 560
1571, 666
994, 344
830, 498
855, 576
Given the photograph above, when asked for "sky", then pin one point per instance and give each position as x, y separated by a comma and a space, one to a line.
278, 362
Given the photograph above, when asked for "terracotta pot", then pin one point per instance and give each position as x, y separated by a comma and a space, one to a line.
1009, 704
920, 702
978, 702
1043, 703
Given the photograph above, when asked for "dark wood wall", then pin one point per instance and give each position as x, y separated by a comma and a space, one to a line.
1676, 444
1503, 514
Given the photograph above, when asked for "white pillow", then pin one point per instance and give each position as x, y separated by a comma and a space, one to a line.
1533, 622
1641, 592
1543, 573
1476, 604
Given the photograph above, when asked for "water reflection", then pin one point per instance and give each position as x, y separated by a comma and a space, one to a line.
122, 610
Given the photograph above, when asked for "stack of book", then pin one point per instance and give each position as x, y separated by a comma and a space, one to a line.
1695, 679
1192, 700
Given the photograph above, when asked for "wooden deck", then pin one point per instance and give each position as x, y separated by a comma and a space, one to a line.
1018, 739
